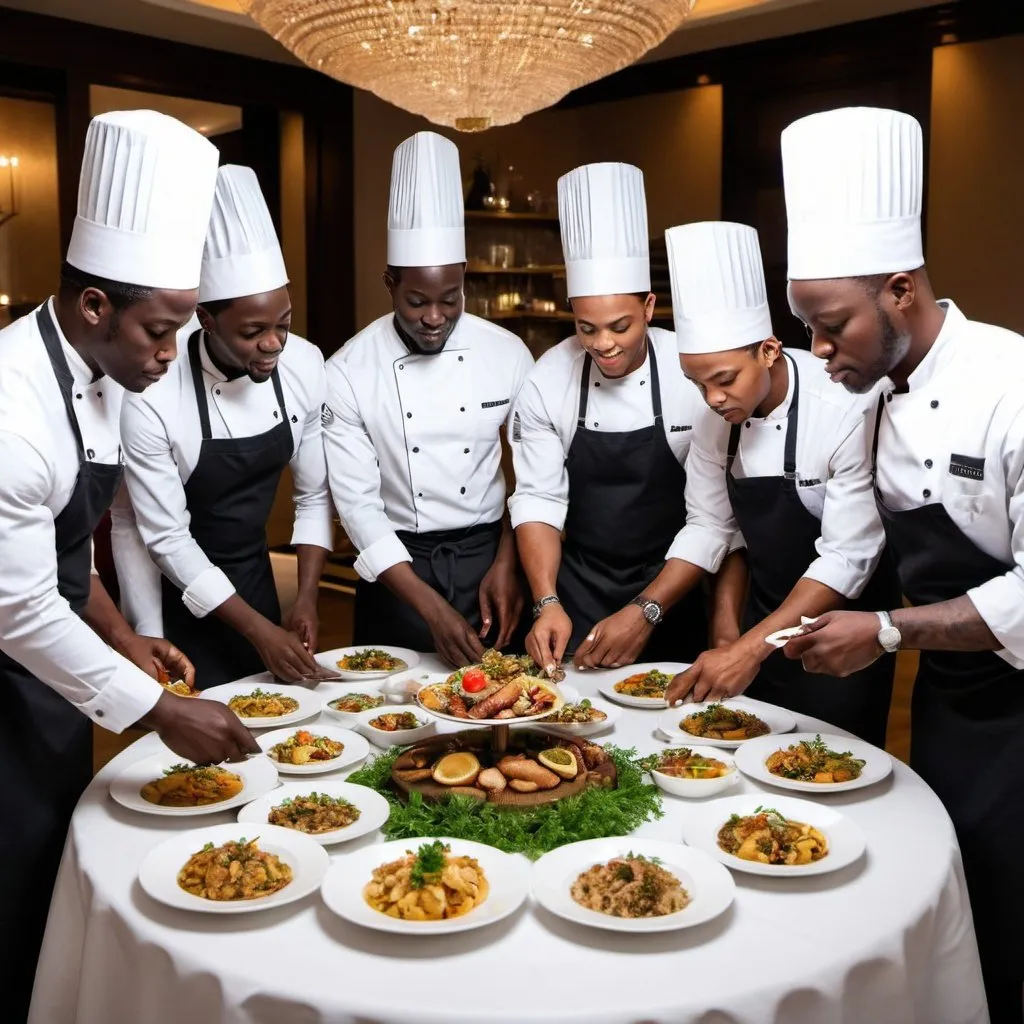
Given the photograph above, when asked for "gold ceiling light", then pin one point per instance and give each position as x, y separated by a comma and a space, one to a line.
468, 64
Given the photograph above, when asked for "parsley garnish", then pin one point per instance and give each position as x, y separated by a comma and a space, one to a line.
429, 861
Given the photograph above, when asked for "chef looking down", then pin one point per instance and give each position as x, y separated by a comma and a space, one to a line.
204, 453
68, 657
599, 440
949, 487
415, 405
791, 472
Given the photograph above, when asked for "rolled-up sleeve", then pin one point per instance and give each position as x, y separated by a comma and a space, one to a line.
314, 514
137, 574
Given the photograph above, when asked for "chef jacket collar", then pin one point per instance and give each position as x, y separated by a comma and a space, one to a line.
458, 340
76, 364
943, 349
781, 411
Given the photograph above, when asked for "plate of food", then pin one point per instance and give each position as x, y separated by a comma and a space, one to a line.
329, 811
641, 686
347, 706
395, 725
427, 887
361, 663
178, 687
692, 772
779, 836
502, 689
632, 885
262, 707
581, 717
226, 869
321, 748
718, 724
813, 763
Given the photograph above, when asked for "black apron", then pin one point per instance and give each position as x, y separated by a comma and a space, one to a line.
45, 742
780, 534
967, 739
229, 497
626, 504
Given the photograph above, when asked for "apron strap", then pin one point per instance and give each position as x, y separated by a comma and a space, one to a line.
61, 370
199, 384
279, 391
792, 421
581, 416
655, 384
874, 441
588, 362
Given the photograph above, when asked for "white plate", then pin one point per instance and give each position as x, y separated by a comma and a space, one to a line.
374, 809
356, 748
782, 636
349, 717
710, 886
258, 777
608, 679
777, 719
751, 757
845, 838
507, 874
402, 737
564, 695
309, 701
585, 728
330, 659
697, 789
308, 860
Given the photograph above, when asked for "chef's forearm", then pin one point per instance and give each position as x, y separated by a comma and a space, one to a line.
103, 616
676, 579
808, 597
540, 552
728, 598
948, 626
241, 616
409, 588
311, 559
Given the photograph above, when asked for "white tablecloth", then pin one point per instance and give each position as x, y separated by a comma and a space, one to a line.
888, 940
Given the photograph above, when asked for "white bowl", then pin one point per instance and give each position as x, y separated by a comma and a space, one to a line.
349, 717
695, 789
402, 737
585, 728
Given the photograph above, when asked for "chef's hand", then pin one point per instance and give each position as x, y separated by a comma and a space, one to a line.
716, 675
202, 731
546, 641
455, 640
286, 657
837, 643
501, 595
304, 621
158, 658
615, 641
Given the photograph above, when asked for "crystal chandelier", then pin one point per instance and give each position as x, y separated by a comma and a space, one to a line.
468, 64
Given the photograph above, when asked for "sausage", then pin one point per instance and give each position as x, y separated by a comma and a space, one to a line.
524, 770
498, 701
457, 706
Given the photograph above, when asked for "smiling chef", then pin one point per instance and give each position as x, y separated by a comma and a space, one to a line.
414, 409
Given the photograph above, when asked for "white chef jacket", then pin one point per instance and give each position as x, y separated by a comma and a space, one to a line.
39, 456
412, 440
162, 436
966, 401
545, 422
833, 470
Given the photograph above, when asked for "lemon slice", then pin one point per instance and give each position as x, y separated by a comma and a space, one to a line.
560, 761
458, 769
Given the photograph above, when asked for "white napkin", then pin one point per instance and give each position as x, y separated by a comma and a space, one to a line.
781, 637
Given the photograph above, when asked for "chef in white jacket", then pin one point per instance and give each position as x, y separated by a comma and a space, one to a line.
204, 452
792, 473
949, 487
67, 657
600, 438
414, 409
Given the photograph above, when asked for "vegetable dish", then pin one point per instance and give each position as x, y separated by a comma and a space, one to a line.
314, 814
185, 785
577, 714
812, 761
769, 837
630, 886
353, 703
718, 722
395, 721
261, 704
237, 870
650, 685
372, 659
683, 763
303, 747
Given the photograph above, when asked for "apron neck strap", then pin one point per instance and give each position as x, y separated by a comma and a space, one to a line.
792, 422
874, 440
61, 370
588, 362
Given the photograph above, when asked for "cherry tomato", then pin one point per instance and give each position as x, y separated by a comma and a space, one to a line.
474, 680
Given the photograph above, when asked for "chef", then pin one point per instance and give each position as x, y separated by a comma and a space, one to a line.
67, 657
600, 437
204, 453
792, 473
414, 409
949, 487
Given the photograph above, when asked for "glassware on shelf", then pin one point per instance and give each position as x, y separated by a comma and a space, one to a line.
503, 256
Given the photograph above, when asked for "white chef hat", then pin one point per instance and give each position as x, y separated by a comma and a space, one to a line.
602, 210
242, 254
719, 300
144, 199
853, 181
426, 224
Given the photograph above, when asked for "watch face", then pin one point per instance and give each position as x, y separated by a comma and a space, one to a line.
652, 613
890, 638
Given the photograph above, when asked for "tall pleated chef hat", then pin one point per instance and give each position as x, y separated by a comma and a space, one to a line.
144, 199
719, 299
853, 180
426, 223
242, 255
602, 210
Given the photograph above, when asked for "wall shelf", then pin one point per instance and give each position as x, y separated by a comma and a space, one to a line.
498, 215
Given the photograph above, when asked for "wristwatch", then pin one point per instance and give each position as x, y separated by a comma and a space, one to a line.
889, 637
653, 612
538, 606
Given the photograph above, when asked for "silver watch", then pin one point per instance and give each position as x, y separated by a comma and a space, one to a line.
653, 612
889, 637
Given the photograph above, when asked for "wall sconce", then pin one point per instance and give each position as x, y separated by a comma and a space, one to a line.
8, 192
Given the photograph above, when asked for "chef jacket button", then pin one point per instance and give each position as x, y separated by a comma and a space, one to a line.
295, 419
415, 449
462, 490
927, 463
99, 394
408, 415
778, 426
99, 714
935, 403
275, 414
90, 453
216, 391
465, 451
596, 424
420, 495
748, 423
79, 396
642, 383
462, 408
597, 383
401, 366
888, 397
927, 493
460, 359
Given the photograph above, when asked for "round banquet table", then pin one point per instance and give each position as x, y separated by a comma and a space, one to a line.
887, 940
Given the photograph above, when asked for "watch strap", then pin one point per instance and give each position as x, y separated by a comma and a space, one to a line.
541, 604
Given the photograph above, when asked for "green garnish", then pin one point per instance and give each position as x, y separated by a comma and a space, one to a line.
429, 862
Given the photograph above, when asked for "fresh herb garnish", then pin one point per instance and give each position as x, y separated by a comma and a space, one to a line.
429, 862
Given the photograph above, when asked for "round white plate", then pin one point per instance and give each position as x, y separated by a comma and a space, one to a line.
508, 875
710, 886
309, 702
585, 728
845, 839
779, 720
330, 659
349, 717
564, 695
258, 777
374, 809
356, 748
401, 737
608, 678
751, 757
308, 860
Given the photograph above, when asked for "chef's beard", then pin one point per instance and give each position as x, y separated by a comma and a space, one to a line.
892, 349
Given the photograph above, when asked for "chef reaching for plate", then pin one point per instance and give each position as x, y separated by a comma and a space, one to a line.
599, 441
414, 409
791, 473
67, 657
949, 487
204, 452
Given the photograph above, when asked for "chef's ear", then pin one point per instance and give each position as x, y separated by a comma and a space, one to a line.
94, 306
390, 279
649, 307
902, 288
205, 320
770, 350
